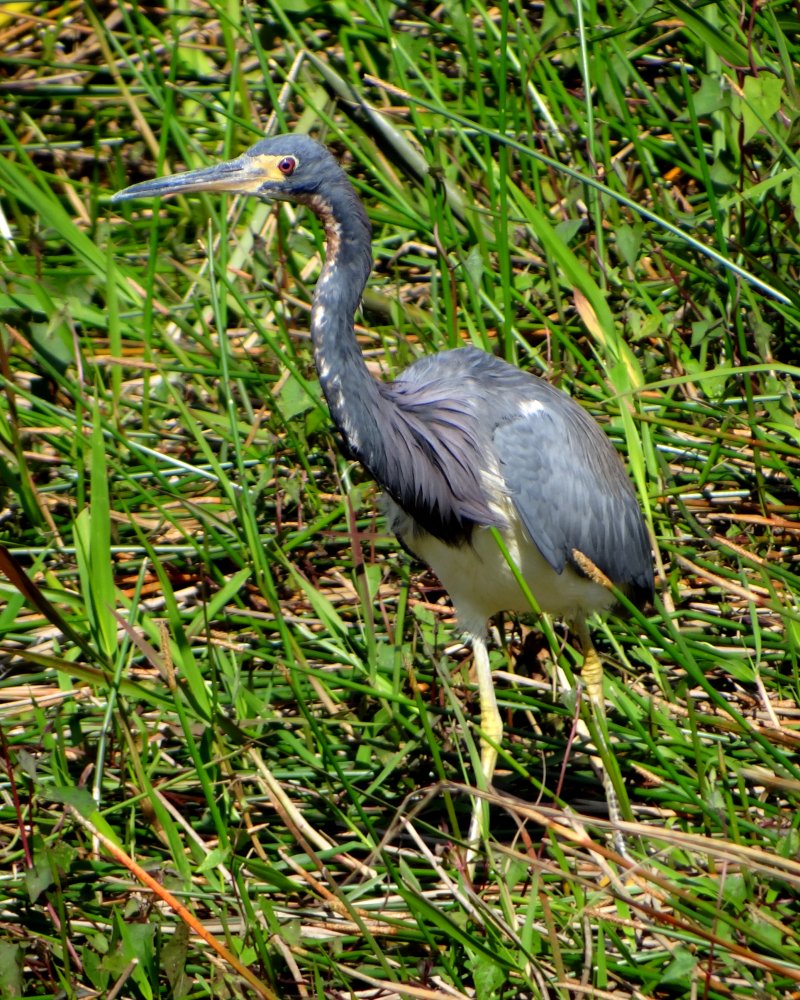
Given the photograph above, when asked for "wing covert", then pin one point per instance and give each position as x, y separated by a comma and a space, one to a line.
572, 492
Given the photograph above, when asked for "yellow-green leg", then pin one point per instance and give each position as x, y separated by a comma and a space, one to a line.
491, 735
592, 676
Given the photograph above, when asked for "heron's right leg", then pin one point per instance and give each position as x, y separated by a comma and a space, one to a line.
592, 676
491, 733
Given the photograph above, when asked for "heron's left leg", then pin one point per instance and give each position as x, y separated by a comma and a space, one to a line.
592, 676
491, 730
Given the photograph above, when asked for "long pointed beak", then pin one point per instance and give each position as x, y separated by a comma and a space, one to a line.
244, 175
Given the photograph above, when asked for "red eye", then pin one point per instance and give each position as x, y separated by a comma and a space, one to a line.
287, 165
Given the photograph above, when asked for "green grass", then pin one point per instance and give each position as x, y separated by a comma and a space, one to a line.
214, 654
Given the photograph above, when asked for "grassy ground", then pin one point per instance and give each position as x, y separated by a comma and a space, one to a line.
217, 662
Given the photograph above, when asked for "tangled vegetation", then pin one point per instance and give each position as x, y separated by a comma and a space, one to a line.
219, 672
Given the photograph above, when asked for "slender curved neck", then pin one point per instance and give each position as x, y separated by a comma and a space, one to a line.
351, 392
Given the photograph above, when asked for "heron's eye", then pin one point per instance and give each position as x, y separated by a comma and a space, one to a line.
287, 166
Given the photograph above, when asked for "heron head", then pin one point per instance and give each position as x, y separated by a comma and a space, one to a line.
285, 167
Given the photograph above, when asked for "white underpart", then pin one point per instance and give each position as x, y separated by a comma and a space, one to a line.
480, 581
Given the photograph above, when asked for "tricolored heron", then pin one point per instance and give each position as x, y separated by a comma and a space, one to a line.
461, 442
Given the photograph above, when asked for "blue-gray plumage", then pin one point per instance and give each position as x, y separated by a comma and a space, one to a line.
461, 442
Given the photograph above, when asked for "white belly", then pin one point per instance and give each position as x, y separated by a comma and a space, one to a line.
481, 583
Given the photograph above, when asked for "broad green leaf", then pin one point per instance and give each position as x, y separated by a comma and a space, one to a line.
762, 99
681, 967
11, 960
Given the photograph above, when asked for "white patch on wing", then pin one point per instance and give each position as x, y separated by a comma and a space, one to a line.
530, 407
